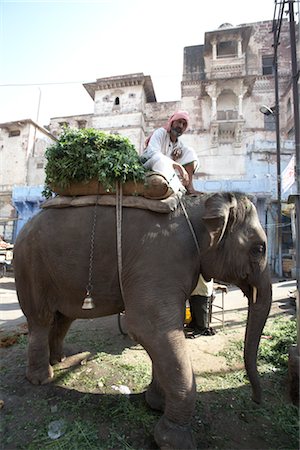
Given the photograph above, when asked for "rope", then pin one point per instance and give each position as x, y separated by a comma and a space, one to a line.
190, 225
119, 196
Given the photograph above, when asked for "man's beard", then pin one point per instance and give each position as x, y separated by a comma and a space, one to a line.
176, 131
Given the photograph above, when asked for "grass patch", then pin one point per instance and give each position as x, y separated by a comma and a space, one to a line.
229, 393
78, 435
274, 351
100, 372
98, 417
233, 352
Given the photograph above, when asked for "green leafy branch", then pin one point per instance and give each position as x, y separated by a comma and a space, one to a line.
85, 154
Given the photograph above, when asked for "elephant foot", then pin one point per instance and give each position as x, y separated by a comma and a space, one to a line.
154, 399
56, 352
55, 359
40, 376
171, 436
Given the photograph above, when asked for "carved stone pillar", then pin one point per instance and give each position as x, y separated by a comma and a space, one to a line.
214, 108
214, 135
240, 92
238, 132
214, 50
239, 49
241, 105
212, 92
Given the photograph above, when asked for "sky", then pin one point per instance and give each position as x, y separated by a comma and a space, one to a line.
48, 49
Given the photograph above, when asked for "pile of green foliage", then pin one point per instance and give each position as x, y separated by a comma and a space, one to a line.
274, 351
85, 154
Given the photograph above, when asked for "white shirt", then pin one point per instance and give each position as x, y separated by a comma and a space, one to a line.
158, 157
204, 288
160, 142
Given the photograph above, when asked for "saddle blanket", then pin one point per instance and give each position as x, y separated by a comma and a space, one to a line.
161, 206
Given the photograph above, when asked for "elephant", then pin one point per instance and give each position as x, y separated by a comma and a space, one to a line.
218, 235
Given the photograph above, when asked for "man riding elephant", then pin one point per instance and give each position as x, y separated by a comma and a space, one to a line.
166, 153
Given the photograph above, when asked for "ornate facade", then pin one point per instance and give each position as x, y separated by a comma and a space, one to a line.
225, 82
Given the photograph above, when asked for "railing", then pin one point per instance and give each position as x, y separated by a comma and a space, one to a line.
227, 115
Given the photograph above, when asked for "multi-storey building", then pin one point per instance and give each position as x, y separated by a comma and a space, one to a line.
22, 161
225, 83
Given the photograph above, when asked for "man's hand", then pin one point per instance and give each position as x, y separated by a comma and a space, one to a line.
221, 287
176, 154
182, 173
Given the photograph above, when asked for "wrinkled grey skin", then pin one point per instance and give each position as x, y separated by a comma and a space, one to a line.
161, 266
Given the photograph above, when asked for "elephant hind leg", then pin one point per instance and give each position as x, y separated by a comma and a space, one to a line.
58, 331
38, 369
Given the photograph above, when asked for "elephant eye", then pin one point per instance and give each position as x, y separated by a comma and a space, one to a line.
258, 250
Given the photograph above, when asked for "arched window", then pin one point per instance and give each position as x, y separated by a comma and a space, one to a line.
117, 101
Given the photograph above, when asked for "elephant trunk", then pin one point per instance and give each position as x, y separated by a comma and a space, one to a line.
259, 308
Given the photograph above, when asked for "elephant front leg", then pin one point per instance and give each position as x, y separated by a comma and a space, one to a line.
155, 396
38, 369
173, 388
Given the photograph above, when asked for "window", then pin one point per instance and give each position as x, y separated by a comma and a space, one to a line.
267, 65
81, 124
13, 133
117, 101
64, 124
291, 133
226, 48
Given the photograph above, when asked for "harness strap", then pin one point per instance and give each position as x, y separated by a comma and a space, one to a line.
190, 225
119, 196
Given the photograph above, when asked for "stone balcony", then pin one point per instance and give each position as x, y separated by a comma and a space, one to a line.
229, 67
227, 128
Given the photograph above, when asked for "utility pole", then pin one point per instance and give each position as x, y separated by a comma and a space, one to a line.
37, 120
294, 351
295, 79
276, 34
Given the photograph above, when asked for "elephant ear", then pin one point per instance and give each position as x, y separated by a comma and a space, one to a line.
216, 215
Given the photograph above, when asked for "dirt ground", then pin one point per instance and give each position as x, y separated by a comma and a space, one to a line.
224, 418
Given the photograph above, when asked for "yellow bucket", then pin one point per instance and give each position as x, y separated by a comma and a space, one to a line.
188, 316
